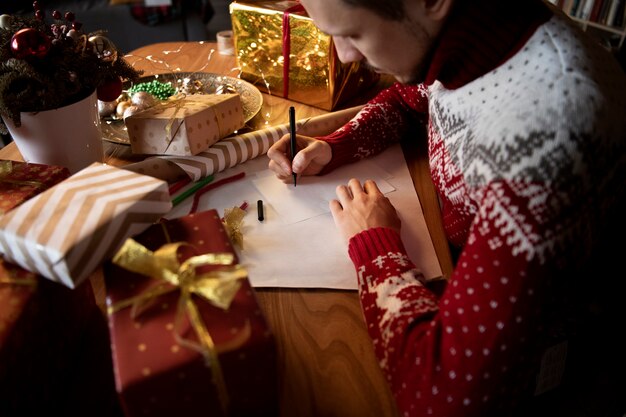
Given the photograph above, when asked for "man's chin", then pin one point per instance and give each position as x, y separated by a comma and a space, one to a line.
411, 79
407, 80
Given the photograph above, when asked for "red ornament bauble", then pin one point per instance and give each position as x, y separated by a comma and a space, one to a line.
30, 42
110, 90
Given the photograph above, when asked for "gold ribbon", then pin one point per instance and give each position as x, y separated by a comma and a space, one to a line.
176, 102
12, 279
218, 287
27, 282
7, 168
233, 218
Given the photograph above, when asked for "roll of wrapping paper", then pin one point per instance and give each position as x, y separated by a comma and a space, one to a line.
234, 150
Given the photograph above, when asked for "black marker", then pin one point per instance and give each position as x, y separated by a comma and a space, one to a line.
292, 139
259, 209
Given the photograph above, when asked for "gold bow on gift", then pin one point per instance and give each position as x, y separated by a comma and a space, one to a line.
218, 287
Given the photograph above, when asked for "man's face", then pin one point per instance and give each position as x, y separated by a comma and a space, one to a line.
397, 48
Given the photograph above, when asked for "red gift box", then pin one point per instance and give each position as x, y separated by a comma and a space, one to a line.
54, 348
157, 372
20, 181
54, 345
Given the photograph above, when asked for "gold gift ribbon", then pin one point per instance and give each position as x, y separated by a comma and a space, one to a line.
218, 287
6, 168
13, 280
27, 282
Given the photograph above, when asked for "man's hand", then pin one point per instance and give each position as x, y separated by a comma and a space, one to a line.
312, 156
360, 208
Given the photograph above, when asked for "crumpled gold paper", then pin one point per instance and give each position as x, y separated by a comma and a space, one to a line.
316, 76
233, 219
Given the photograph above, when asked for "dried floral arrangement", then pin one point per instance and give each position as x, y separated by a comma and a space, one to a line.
45, 66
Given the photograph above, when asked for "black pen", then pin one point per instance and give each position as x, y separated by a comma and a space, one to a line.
292, 131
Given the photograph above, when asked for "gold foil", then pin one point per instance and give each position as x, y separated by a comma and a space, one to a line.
316, 76
233, 218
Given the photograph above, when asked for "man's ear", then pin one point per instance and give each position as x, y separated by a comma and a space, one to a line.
437, 10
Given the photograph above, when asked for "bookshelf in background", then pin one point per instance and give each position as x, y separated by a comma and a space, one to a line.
605, 19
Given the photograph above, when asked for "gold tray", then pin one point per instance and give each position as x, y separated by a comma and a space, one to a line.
114, 130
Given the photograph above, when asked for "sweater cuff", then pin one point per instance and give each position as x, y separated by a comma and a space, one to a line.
371, 243
340, 154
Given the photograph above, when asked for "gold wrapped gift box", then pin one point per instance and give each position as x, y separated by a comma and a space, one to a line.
315, 74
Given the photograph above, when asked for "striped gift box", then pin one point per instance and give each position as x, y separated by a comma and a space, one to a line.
66, 232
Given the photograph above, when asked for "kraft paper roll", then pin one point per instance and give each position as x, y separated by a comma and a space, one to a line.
234, 150
225, 42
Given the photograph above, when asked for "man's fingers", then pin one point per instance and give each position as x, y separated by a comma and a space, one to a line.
355, 187
278, 155
371, 187
344, 194
335, 207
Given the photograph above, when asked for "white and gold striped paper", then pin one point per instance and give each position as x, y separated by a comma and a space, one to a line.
66, 232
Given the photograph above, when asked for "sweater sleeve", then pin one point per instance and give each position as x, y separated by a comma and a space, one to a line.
382, 122
460, 354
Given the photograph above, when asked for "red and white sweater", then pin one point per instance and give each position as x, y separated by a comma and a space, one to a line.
527, 136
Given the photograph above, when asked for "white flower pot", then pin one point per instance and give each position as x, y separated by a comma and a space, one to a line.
69, 136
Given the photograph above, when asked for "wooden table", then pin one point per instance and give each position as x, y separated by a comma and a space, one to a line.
327, 365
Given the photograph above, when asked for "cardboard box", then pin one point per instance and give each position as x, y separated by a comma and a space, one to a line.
66, 232
158, 367
306, 70
185, 126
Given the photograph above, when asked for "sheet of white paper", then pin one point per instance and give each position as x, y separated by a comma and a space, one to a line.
311, 253
311, 195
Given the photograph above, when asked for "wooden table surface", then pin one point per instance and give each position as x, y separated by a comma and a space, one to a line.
326, 364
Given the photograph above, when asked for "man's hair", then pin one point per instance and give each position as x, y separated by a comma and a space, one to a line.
388, 9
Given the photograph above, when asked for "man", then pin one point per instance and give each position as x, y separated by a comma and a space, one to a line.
526, 137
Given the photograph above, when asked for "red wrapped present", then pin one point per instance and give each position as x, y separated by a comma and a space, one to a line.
54, 348
187, 333
20, 181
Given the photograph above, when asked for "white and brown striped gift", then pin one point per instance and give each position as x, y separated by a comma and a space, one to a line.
66, 232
